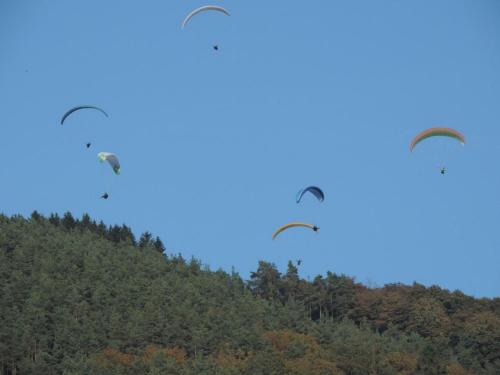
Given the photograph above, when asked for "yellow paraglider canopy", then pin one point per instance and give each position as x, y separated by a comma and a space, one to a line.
295, 224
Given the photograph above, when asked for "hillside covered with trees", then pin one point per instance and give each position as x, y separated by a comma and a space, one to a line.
80, 297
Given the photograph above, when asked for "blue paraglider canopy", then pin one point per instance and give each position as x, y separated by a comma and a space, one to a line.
314, 190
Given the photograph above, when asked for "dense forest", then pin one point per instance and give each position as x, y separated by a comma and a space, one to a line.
80, 297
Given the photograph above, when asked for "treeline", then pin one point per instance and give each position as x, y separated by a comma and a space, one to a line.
114, 233
80, 297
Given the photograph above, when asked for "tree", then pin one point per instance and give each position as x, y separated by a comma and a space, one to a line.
86, 222
266, 282
36, 216
158, 245
291, 281
145, 239
54, 219
68, 222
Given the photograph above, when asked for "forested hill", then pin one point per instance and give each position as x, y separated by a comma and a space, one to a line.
78, 297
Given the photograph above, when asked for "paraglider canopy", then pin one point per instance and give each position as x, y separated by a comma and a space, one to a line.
295, 224
111, 159
74, 109
203, 9
314, 190
438, 131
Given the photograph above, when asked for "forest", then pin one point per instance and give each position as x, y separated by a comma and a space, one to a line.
80, 297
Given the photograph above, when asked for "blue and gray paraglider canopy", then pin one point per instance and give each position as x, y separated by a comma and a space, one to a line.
314, 190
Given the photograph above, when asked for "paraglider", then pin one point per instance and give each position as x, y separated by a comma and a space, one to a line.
314, 190
105, 196
291, 225
111, 159
439, 131
203, 9
88, 144
74, 109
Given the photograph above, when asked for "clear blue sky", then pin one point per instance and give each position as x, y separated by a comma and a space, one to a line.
215, 145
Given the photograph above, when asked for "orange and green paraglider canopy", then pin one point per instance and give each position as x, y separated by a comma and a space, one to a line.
296, 224
432, 132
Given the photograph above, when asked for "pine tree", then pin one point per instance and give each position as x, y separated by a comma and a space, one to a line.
68, 222
266, 282
158, 245
35, 216
86, 222
54, 219
145, 239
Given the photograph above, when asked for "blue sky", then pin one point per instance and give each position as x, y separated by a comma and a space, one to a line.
214, 145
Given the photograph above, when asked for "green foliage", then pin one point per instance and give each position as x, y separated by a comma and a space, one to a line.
79, 297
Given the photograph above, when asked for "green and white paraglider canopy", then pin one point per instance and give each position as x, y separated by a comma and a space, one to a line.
111, 159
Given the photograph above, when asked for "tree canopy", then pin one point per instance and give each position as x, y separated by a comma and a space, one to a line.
81, 297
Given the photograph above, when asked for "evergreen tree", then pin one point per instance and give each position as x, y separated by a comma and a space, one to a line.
86, 222
145, 239
54, 219
36, 216
158, 245
266, 281
68, 222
